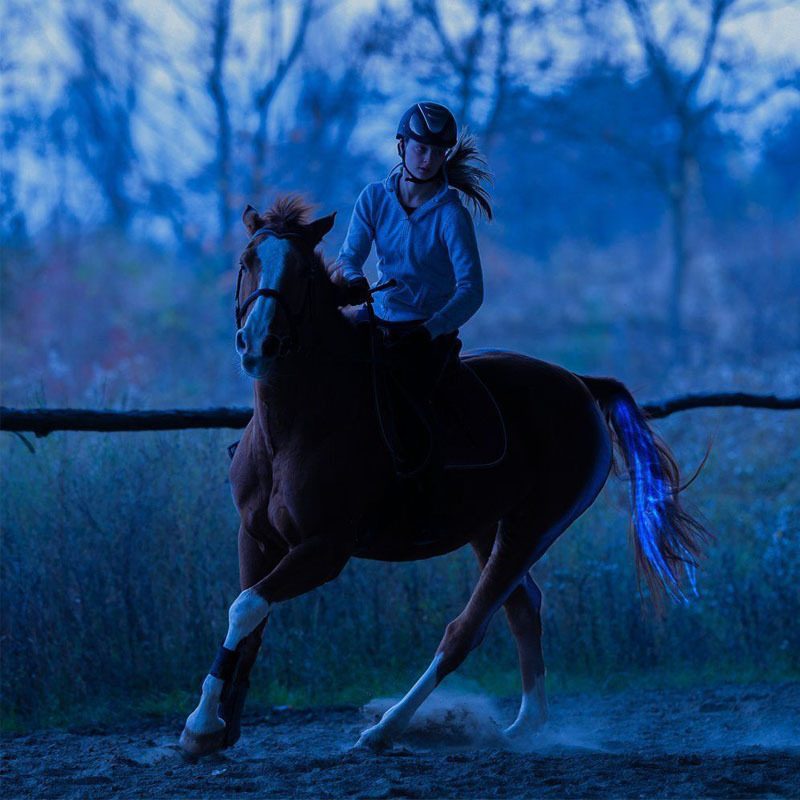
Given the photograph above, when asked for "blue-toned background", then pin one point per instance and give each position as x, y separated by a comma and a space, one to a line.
646, 157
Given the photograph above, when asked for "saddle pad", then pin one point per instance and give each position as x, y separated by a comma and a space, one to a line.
471, 429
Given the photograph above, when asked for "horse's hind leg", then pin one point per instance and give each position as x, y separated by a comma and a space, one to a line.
523, 611
500, 576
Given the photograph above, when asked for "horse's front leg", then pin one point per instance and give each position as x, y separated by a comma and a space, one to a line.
215, 723
302, 569
254, 565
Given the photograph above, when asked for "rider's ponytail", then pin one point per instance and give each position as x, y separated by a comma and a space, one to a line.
466, 173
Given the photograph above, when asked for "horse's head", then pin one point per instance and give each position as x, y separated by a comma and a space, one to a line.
277, 273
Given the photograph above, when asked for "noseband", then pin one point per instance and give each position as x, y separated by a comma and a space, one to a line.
293, 318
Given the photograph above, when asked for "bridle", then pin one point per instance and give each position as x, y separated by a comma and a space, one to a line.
291, 343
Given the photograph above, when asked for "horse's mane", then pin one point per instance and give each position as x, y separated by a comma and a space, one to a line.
288, 213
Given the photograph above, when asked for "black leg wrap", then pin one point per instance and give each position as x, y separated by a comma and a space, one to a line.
230, 710
224, 664
234, 692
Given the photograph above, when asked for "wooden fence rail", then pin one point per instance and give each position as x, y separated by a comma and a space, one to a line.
42, 421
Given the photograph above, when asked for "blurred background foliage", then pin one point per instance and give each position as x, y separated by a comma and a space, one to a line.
646, 157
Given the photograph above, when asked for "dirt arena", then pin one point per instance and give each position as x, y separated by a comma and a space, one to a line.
725, 741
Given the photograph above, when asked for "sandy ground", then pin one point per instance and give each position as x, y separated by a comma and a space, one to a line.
725, 741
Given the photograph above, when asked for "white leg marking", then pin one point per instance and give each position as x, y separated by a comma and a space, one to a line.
204, 719
247, 610
533, 711
396, 719
244, 615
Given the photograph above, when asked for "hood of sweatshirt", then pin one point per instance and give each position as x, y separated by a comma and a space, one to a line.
445, 194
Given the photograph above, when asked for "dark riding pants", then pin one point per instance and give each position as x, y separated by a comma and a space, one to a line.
418, 367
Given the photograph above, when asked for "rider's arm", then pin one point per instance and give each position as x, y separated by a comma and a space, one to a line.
462, 246
358, 242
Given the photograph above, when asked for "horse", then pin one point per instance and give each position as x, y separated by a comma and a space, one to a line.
311, 476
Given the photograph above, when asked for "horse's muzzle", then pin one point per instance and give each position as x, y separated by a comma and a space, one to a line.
271, 346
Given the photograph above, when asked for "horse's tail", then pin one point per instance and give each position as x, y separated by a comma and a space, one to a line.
666, 538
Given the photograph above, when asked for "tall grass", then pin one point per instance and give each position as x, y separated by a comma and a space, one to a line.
119, 562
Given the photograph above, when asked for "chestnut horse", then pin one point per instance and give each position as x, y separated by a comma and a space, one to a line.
311, 475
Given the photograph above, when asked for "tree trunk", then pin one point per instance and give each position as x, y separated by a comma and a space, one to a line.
221, 31
677, 208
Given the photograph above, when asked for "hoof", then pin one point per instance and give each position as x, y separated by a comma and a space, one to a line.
375, 739
202, 744
521, 730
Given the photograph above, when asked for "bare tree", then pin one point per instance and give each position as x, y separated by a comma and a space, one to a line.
20, 116
230, 130
220, 35
692, 104
477, 61
101, 97
282, 62
461, 54
501, 77
681, 93
334, 99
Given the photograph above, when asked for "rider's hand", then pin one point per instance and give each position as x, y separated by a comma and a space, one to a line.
356, 291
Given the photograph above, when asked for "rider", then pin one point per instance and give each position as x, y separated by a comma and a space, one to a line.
425, 239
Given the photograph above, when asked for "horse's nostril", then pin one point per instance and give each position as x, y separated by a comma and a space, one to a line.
270, 346
241, 343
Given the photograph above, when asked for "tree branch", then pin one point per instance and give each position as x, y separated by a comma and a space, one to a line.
500, 75
718, 11
268, 91
763, 95
654, 53
216, 88
428, 9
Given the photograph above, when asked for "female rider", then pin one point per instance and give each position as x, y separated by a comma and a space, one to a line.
425, 239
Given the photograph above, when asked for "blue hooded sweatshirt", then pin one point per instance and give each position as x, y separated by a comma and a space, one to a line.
432, 254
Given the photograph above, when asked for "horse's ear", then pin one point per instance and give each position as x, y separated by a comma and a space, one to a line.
315, 230
251, 220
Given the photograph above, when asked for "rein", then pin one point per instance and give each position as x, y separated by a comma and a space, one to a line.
294, 319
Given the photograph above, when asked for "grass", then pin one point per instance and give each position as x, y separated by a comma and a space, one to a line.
119, 562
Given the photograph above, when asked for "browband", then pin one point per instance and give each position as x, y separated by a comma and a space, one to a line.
276, 234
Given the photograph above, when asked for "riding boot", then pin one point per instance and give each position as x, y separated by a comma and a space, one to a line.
417, 368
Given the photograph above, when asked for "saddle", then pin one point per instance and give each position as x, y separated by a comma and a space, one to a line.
462, 428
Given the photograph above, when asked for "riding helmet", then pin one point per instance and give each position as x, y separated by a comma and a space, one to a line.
429, 123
